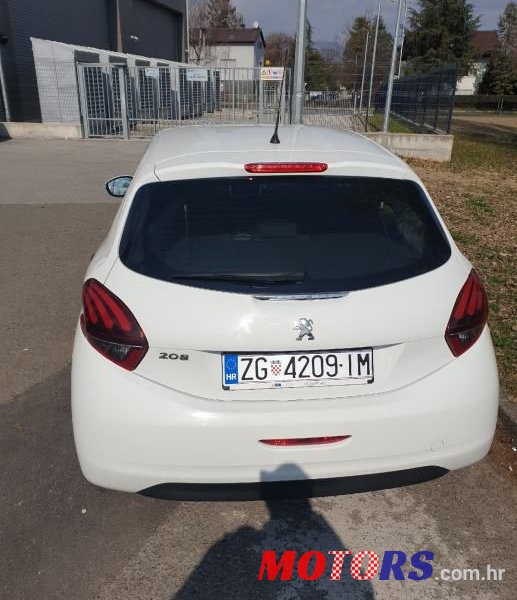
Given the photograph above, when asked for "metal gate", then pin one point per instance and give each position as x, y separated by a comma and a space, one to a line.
137, 101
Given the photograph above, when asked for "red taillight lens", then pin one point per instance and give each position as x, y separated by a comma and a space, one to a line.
313, 441
469, 316
110, 326
278, 167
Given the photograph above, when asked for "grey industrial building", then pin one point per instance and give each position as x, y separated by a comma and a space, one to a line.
155, 28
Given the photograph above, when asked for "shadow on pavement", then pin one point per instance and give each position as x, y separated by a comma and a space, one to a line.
64, 538
50, 547
230, 568
4, 133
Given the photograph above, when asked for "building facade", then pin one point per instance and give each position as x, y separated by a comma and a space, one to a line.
484, 43
240, 48
155, 28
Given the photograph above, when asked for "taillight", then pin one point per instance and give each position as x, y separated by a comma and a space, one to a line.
313, 441
110, 326
294, 167
468, 317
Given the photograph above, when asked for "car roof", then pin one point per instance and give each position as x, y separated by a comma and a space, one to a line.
218, 150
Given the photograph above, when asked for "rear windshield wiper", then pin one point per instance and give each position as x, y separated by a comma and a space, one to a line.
278, 277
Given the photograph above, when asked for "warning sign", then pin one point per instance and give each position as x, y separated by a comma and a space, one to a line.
272, 73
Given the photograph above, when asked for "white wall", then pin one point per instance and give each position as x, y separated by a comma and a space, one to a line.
467, 86
245, 56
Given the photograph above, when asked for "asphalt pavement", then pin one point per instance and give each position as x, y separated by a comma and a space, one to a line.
63, 538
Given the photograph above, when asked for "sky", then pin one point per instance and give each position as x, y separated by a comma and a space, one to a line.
331, 17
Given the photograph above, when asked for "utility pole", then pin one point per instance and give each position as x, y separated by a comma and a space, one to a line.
299, 64
364, 71
406, 2
389, 91
3, 88
373, 65
187, 32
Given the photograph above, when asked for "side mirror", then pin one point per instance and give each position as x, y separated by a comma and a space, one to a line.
117, 186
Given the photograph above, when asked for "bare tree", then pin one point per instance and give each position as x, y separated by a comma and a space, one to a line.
333, 51
198, 32
205, 17
276, 46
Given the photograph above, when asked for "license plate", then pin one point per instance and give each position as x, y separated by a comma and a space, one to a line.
343, 367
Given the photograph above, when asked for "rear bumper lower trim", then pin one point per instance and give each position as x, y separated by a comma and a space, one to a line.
306, 488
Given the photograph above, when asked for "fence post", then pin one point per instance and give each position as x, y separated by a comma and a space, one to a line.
83, 105
451, 105
298, 97
179, 86
364, 72
424, 112
261, 97
389, 91
233, 95
282, 97
123, 102
437, 110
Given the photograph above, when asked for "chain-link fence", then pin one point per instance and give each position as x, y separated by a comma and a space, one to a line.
116, 98
336, 109
343, 93
122, 101
425, 101
352, 95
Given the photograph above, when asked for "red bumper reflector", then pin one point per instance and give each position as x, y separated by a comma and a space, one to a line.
312, 441
279, 167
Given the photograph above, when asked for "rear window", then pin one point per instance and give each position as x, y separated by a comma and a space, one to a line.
287, 234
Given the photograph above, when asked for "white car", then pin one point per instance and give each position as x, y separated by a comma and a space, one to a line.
262, 314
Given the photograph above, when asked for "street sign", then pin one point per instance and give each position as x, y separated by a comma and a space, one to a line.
197, 74
272, 73
152, 72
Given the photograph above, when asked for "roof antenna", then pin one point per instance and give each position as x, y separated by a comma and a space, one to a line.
275, 139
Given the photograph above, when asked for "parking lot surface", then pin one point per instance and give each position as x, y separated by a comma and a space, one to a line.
63, 538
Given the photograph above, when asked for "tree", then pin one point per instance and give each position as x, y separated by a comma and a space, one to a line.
316, 74
500, 77
204, 17
199, 51
276, 46
507, 26
222, 14
355, 45
440, 32
333, 51
353, 51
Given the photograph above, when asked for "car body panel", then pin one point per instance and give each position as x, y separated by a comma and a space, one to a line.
132, 433
171, 421
205, 323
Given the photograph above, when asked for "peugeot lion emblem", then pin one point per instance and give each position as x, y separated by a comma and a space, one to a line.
304, 326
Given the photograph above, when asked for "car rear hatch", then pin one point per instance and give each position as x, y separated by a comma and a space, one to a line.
232, 266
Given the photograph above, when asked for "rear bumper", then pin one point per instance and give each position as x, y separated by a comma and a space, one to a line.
308, 488
132, 434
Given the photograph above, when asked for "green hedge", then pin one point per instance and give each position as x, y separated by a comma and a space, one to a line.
485, 102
